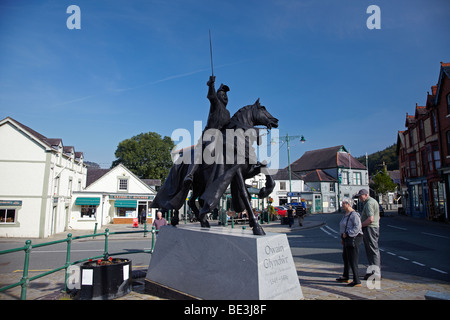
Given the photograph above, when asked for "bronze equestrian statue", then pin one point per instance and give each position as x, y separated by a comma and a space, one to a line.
209, 181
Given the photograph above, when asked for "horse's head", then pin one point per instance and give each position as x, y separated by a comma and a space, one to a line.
262, 117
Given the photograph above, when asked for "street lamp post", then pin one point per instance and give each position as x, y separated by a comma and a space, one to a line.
287, 139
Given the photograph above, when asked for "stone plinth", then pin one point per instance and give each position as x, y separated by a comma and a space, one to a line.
223, 264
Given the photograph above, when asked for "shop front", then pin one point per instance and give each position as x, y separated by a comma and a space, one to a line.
128, 207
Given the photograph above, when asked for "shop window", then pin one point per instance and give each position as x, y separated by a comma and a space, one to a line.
88, 211
7, 216
126, 213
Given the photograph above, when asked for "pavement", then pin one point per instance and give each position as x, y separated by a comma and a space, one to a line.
317, 280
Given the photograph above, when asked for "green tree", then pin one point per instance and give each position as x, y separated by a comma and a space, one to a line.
383, 183
147, 155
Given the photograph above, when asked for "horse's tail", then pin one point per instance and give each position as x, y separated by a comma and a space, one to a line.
268, 188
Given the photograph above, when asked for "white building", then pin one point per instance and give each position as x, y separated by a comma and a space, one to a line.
333, 173
283, 186
286, 190
111, 196
38, 175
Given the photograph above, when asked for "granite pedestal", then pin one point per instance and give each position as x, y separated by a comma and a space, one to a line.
222, 264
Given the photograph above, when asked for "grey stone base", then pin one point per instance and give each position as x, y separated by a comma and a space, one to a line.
219, 263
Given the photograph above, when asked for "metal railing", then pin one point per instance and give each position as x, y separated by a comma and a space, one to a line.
25, 280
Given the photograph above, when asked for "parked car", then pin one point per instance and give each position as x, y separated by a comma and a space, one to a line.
281, 211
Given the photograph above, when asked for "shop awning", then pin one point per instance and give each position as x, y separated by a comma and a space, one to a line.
125, 203
81, 201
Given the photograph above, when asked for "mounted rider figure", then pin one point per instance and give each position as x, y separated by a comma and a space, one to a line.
218, 118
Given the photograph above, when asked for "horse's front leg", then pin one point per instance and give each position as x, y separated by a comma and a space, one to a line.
253, 222
193, 206
175, 217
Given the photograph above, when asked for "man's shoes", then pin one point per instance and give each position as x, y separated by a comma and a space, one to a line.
368, 275
343, 279
354, 284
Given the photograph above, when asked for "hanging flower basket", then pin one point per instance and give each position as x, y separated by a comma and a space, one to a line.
105, 279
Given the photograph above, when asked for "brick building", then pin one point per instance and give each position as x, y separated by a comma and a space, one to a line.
424, 153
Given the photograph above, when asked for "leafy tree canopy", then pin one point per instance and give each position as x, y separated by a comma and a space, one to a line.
382, 183
147, 155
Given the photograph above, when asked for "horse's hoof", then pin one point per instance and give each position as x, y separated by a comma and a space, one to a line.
204, 224
258, 230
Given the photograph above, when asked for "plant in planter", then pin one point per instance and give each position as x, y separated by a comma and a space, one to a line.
105, 279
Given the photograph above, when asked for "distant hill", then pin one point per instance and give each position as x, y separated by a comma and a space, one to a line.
375, 163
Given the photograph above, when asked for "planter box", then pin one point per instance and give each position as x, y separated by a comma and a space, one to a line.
104, 282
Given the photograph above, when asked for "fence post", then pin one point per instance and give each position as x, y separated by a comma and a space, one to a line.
145, 228
24, 281
153, 238
69, 246
105, 254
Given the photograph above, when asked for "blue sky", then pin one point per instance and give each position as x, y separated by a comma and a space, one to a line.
139, 66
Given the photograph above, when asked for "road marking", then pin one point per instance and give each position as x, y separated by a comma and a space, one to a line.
328, 233
331, 229
435, 235
35, 270
404, 229
434, 269
415, 262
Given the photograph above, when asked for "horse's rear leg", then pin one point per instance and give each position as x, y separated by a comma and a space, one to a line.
257, 229
193, 207
202, 217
